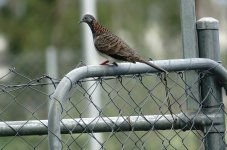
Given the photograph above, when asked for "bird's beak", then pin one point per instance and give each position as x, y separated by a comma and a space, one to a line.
81, 21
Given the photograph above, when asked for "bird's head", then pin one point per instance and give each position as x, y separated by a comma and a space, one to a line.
96, 28
87, 19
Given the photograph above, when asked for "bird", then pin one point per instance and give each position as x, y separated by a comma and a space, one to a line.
112, 47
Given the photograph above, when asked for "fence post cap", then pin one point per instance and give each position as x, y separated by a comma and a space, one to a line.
207, 23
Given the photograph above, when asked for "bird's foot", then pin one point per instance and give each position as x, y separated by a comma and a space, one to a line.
115, 64
105, 62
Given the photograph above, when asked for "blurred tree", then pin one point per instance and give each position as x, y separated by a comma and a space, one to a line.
33, 25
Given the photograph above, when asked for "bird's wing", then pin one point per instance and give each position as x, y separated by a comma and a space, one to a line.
113, 46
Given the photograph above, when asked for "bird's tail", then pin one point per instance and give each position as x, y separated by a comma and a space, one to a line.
152, 65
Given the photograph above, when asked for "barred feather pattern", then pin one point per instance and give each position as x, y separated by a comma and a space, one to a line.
112, 46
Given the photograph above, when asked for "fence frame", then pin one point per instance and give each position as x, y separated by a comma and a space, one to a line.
64, 87
208, 42
190, 46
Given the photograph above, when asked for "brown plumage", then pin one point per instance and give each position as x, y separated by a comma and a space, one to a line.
111, 46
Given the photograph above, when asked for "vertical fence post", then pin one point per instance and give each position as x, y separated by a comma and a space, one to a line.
190, 50
211, 92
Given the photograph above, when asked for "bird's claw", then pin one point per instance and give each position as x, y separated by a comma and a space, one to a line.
105, 62
115, 64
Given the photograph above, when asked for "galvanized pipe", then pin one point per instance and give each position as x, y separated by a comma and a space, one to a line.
190, 48
211, 92
184, 121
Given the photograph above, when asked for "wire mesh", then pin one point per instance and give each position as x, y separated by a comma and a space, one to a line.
136, 95
122, 96
23, 98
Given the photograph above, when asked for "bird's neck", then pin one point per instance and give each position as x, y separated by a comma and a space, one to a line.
97, 29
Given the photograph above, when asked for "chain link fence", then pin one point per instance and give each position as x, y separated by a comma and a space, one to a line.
23, 99
25, 93
138, 111
137, 95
